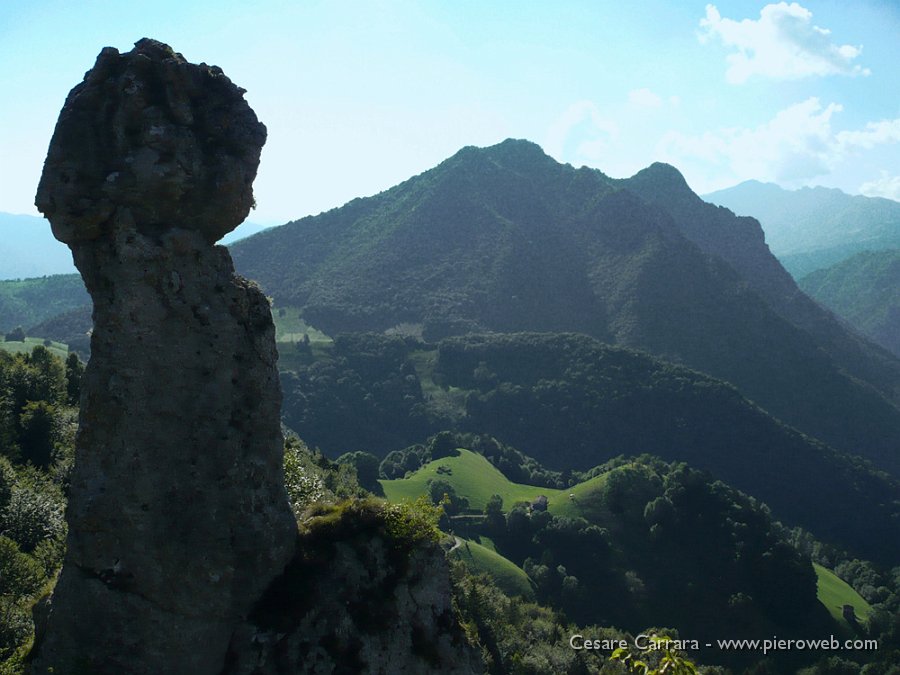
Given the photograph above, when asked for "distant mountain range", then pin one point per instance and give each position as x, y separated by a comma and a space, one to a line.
28, 249
865, 290
814, 228
506, 239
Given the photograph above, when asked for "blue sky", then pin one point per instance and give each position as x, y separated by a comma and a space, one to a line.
358, 96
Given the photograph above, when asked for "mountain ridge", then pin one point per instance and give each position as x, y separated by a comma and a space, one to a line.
813, 228
506, 239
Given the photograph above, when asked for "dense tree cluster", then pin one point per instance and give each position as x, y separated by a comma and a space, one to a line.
367, 396
37, 428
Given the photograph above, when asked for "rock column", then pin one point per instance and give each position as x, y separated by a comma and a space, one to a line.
178, 518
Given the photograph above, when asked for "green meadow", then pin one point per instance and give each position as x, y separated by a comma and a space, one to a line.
834, 593
482, 559
56, 348
474, 477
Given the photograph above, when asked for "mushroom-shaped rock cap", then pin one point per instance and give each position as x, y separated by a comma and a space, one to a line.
172, 143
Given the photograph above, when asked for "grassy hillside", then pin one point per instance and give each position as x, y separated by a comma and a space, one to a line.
864, 290
475, 477
480, 559
834, 593
56, 348
644, 508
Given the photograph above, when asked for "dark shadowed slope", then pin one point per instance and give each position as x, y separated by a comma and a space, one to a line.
739, 241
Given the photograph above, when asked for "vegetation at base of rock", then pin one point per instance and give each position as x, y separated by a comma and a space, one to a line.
367, 591
37, 432
405, 525
310, 477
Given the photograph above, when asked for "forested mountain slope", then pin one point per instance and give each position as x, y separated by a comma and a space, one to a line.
740, 242
506, 239
26, 302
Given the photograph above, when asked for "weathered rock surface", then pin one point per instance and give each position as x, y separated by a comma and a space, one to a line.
356, 599
178, 517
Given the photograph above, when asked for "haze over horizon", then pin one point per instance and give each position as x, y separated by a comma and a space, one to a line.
798, 94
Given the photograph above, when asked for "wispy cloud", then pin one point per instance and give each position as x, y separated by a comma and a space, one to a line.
644, 98
783, 44
581, 132
875, 133
885, 186
796, 145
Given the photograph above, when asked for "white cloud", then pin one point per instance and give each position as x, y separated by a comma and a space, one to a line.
581, 132
875, 133
796, 145
644, 98
783, 44
885, 186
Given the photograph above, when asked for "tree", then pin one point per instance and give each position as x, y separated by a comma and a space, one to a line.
496, 523
367, 466
442, 445
74, 373
671, 662
17, 334
38, 432
441, 492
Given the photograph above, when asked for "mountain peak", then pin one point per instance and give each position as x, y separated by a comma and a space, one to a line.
660, 182
663, 173
513, 153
